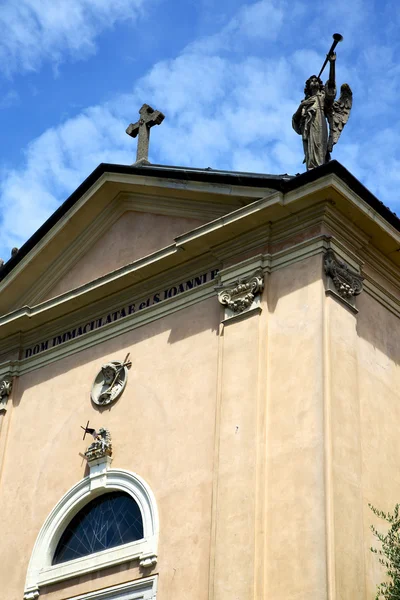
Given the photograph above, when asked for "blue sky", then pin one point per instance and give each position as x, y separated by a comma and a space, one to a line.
227, 74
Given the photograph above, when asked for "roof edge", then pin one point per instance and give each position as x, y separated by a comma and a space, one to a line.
284, 183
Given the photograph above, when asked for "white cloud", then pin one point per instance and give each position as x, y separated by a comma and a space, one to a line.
34, 31
55, 164
223, 110
262, 20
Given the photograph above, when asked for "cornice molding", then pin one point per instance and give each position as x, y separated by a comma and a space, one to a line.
112, 330
51, 234
139, 288
185, 198
228, 275
196, 250
248, 213
247, 242
268, 262
75, 298
170, 254
273, 206
204, 238
122, 203
381, 295
301, 251
365, 208
175, 207
190, 185
60, 267
299, 222
343, 230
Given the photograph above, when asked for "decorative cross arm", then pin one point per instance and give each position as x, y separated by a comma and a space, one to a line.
148, 118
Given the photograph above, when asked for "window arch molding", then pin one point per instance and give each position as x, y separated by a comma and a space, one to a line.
42, 572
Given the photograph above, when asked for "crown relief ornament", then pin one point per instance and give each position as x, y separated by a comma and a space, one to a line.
101, 445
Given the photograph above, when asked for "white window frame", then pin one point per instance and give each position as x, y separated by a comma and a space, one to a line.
141, 589
101, 480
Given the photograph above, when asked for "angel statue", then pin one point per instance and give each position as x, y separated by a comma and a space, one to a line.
318, 107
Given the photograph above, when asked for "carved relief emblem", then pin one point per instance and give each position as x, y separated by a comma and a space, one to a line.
110, 382
348, 283
240, 297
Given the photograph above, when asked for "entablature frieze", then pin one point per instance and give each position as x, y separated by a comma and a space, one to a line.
298, 206
261, 264
114, 316
84, 318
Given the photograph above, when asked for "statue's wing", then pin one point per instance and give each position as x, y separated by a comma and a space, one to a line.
339, 115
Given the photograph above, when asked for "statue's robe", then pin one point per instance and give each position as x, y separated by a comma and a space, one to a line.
311, 124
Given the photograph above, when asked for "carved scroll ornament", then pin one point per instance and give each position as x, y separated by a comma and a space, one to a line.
347, 283
241, 296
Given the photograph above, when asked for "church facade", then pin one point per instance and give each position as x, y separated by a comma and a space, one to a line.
227, 346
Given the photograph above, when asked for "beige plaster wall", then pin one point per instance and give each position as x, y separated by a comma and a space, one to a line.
134, 235
295, 559
162, 427
362, 412
262, 440
240, 438
227, 430
378, 366
344, 460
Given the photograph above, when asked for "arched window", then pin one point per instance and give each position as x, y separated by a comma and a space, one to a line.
107, 521
107, 518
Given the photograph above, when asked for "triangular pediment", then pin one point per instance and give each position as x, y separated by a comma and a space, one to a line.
118, 219
121, 240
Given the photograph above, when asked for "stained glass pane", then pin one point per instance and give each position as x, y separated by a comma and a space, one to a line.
109, 520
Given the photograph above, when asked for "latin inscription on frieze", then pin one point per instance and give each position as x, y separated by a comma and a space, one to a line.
121, 313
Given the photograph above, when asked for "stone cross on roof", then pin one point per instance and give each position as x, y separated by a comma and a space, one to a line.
148, 118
